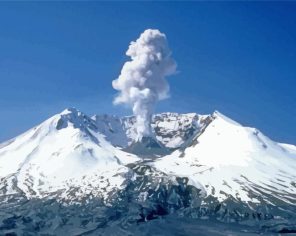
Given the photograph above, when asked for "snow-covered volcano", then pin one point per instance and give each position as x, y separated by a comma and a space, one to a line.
208, 160
211, 150
228, 159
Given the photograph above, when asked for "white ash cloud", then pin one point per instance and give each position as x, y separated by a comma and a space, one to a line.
142, 81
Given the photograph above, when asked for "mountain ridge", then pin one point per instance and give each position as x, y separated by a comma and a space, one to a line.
213, 167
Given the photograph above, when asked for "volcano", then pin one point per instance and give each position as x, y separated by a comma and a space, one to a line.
74, 175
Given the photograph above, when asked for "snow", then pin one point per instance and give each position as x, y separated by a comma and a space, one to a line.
225, 153
48, 158
217, 154
113, 129
288, 147
170, 129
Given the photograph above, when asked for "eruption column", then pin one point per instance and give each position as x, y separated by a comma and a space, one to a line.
142, 81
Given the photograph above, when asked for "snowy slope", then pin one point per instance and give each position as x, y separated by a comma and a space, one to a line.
71, 150
77, 174
218, 155
230, 160
288, 147
63, 152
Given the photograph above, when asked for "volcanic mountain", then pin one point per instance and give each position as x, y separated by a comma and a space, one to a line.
196, 166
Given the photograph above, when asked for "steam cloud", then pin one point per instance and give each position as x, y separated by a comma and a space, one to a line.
142, 82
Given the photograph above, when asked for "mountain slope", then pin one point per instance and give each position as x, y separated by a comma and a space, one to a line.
71, 150
77, 174
216, 153
232, 161
62, 152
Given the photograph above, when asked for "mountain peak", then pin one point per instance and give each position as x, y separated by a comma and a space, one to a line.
74, 117
70, 110
208, 159
218, 115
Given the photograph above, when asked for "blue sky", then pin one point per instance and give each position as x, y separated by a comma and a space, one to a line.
235, 57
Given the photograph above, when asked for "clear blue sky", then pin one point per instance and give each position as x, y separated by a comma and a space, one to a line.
235, 57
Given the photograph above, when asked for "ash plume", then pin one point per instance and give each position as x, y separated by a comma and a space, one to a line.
142, 81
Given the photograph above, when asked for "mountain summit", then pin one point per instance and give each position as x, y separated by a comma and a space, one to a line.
203, 165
